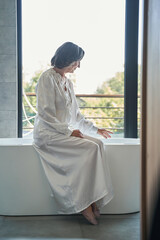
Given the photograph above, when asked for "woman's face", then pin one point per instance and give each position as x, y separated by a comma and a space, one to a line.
72, 67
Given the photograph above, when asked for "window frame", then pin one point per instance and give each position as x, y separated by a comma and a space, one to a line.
19, 68
130, 70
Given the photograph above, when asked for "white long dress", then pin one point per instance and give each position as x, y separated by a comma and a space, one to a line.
75, 167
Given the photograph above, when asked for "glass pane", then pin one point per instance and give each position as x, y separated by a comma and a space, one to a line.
98, 27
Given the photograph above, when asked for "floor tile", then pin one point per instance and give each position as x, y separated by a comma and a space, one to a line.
41, 218
1, 219
110, 227
130, 215
57, 227
30, 238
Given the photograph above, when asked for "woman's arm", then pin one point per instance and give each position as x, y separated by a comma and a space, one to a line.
84, 125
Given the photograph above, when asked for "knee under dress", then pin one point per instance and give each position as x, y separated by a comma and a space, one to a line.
76, 168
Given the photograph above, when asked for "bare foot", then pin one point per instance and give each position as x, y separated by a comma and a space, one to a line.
88, 214
95, 210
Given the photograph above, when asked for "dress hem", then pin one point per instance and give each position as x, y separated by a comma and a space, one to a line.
87, 205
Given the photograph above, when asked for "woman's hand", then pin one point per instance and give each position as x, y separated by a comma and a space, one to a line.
104, 133
77, 133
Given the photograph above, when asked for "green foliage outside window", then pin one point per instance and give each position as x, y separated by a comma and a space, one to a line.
104, 112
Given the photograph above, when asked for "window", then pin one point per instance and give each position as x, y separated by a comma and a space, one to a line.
99, 28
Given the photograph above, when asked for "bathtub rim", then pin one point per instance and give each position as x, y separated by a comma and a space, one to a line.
9, 142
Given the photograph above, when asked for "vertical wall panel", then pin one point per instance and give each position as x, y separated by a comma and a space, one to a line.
8, 69
150, 113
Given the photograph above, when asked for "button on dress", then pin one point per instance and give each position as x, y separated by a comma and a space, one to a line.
76, 168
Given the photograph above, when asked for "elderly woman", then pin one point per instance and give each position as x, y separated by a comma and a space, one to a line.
74, 163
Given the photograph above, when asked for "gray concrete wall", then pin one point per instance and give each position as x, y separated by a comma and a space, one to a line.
8, 70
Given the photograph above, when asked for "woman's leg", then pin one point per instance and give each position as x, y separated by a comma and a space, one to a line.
64, 159
89, 215
95, 210
96, 205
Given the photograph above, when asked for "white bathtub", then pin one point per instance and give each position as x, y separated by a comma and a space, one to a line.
24, 189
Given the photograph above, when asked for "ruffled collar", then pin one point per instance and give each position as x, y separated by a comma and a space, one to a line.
62, 82
59, 75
